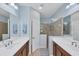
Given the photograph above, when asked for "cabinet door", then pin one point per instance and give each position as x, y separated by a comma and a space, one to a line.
64, 53
54, 49
24, 52
58, 52
27, 48
19, 53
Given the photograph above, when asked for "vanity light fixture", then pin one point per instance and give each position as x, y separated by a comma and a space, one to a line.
68, 6
13, 4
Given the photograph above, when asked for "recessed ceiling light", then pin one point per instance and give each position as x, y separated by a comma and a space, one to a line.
41, 6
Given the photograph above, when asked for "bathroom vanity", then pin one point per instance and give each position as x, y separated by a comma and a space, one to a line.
19, 47
62, 46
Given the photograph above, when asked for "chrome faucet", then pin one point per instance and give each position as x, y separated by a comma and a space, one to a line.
7, 43
74, 43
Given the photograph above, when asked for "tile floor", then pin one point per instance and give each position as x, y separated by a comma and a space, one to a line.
40, 52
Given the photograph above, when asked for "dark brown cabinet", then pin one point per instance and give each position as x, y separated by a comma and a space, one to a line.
58, 51
24, 50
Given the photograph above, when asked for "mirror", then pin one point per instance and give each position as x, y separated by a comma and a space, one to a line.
4, 25
66, 25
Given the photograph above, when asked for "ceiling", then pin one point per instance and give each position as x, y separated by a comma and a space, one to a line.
48, 9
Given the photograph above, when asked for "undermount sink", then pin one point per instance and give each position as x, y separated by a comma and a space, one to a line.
71, 42
9, 43
74, 43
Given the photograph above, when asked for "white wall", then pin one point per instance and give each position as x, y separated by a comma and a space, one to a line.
25, 19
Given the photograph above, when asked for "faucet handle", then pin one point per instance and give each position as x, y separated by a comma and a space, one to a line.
74, 43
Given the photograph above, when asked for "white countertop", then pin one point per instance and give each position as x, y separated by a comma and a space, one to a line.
65, 43
10, 51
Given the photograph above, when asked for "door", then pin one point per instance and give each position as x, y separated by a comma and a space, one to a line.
35, 30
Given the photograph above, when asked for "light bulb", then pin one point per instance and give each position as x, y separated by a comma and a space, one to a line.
40, 7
